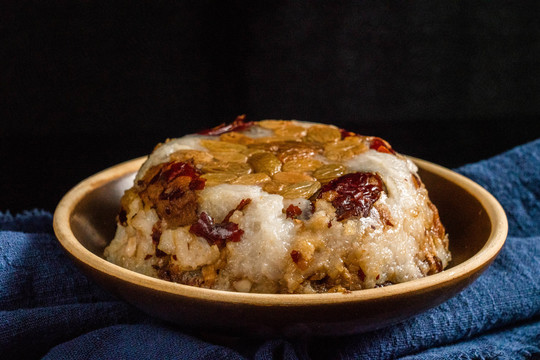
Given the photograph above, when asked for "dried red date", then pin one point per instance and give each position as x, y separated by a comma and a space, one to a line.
217, 234
354, 194
237, 125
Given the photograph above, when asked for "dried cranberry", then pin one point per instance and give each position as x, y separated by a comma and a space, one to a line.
355, 194
361, 275
345, 133
178, 168
237, 125
243, 203
293, 211
156, 233
380, 145
214, 233
295, 256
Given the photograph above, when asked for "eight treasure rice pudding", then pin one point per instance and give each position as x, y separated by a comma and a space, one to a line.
279, 206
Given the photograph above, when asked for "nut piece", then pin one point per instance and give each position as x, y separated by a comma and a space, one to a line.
328, 172
323, 134
265, 162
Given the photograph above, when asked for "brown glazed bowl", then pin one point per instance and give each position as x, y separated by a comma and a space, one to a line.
84, 222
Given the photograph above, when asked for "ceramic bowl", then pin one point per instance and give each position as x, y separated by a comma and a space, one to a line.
84, 222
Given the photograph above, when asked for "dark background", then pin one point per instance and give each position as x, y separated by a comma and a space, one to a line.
85, 85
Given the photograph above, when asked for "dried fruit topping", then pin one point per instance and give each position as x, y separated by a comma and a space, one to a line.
265, 162
361, 275
252, 179
293, 212
353, 194
381, 145
170, 191
345, 149
243, 203
329, 172
219, 178
290, 177
235, 168
295, 256
345, 133
301, 165
237, 125
216, 146
220, 233
216, 234
304, 189
323, 134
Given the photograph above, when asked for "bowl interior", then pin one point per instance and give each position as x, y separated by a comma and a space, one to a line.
85, 222
93, 220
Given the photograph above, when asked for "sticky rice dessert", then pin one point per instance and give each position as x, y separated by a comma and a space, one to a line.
279, 207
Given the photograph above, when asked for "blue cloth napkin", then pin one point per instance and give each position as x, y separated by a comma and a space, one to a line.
48, 309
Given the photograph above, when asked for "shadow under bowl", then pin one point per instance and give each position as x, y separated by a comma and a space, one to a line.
84, 223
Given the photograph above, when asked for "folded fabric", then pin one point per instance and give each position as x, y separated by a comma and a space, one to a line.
49, 309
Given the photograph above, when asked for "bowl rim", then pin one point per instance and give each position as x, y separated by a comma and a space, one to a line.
66, 237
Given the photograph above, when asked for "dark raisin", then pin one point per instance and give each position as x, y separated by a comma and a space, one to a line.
147, 257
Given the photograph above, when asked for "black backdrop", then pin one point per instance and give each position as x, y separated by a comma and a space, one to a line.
85, 85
